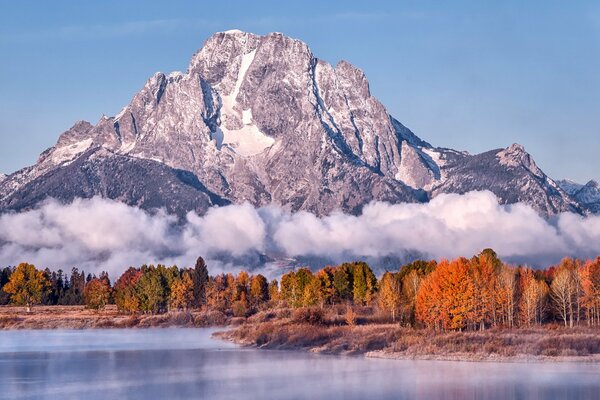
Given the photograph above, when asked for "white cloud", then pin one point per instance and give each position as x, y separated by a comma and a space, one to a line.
99, 234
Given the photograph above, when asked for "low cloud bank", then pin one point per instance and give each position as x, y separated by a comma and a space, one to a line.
98, 234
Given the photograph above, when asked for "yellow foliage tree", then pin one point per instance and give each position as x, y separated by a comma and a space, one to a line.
182, 293
96, 294
389, 294
26, 285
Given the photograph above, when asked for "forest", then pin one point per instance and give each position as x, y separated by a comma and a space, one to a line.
463, 294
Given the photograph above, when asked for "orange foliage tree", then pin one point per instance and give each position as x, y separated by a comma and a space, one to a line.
97, 294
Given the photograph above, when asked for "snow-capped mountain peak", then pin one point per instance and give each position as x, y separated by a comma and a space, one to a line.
261, 119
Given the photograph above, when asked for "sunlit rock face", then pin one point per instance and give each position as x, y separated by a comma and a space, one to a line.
261, 119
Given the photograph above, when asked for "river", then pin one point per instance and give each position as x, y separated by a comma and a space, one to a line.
187, 364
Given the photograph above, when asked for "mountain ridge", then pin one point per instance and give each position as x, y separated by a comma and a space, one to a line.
261, 119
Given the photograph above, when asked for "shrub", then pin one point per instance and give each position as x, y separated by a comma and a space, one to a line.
350, 317
309, 315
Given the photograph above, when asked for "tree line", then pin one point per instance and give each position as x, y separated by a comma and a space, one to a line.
55, 287
460, 294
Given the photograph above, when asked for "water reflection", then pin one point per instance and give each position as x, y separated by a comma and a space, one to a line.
187, 364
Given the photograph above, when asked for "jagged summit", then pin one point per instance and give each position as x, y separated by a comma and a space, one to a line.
587, 195
261, 119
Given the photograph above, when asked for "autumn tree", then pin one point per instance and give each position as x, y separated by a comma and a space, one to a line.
446, 298
97, 293
274, 291
182, 292
533, 298
151, 290
231, 290
125, 291
326, 288
564, 291
293, 284
241, 286
26, 285
389, 298
589, 276
312, 294
429, 306
259, 290
483, 273
216, 293
410, 287
241, 306
289, 289
529, 298
506, 295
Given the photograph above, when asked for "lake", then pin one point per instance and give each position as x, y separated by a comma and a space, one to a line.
187, 364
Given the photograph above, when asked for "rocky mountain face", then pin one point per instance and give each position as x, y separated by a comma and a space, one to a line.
587, 195
261, 119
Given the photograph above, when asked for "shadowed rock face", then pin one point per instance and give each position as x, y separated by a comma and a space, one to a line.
144, 183
260, 119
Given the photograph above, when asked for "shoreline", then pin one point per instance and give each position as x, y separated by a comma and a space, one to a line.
494, 358
389, 341
376, 341
383, 355
78, 317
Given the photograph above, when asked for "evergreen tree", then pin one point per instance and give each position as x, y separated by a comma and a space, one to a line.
199, 275
4, 278
343, 281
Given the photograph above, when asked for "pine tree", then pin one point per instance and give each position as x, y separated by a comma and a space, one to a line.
199, 275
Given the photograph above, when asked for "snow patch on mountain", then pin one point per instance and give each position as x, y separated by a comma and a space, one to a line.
248, 140
65, 154
435, 156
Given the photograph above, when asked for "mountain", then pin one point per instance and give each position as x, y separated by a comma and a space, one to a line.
261, 119
587, 195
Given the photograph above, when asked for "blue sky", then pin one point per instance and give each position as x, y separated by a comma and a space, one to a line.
469, 75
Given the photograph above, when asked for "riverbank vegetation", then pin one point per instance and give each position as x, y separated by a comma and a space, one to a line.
476, 306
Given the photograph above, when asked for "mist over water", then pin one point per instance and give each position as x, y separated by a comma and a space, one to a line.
186, 363
98, 234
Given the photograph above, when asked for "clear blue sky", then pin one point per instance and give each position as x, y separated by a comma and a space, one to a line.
469, 75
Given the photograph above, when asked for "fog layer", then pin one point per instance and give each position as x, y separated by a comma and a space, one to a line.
98, 234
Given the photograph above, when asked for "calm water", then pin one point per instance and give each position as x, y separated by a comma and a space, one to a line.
187, 364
